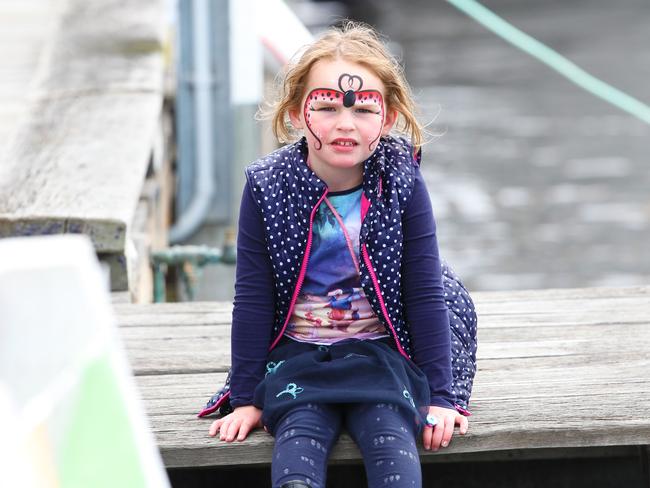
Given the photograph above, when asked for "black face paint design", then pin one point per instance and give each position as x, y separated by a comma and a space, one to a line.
349, 97
349, 93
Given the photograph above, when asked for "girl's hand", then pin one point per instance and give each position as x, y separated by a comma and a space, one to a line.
440, 434
237, 424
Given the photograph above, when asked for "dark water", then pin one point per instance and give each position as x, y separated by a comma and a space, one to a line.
535, 183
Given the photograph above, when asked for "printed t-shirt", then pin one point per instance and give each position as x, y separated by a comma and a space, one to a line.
331, 305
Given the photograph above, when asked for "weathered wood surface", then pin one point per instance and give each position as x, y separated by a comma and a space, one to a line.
78, 161
25, 27
558, 370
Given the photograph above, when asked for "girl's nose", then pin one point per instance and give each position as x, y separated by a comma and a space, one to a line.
345, 120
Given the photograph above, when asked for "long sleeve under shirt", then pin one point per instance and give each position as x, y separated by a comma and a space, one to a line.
422, 292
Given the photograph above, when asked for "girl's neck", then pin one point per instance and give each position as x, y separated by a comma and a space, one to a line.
338, 179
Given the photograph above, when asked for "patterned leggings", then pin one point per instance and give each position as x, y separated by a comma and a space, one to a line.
306, 434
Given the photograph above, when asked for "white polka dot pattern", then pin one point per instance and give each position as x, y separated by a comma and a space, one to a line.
463, 323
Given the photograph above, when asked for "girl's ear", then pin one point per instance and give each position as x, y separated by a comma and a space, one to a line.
391, 118
294, 117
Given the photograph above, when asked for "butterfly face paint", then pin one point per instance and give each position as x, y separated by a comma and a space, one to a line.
323, 105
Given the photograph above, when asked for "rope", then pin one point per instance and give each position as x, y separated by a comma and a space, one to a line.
553, 59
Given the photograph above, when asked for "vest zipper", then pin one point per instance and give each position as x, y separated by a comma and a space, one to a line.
382, 304
301, 275
365, 208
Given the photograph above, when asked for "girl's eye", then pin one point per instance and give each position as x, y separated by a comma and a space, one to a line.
367, 109
323, 109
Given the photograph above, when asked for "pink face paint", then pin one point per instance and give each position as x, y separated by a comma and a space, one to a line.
349, 95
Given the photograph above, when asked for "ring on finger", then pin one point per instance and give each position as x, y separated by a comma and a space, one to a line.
431, 420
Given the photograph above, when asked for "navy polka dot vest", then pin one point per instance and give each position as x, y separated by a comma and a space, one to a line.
288, 193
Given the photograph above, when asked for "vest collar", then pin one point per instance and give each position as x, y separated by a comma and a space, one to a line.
373, 168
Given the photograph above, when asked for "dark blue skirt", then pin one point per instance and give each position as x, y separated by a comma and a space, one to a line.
350, 371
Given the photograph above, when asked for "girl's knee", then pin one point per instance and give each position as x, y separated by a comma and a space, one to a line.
383, 422
387, 439
318, 421
303, 440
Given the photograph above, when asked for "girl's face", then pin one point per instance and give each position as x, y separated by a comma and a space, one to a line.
342, 115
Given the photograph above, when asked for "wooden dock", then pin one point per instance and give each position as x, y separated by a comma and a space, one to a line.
562, 372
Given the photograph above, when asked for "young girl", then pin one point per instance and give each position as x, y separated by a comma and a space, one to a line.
342, 309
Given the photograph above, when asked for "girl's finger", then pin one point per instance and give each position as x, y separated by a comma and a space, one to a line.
427, 435
214, 428
233, 428
437, 434
244, 429
223, 429
450, 423
464, 424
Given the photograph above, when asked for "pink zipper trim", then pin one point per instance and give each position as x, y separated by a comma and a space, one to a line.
301, 275
463, 411
365, 203
365, 206
375, 282
215, 407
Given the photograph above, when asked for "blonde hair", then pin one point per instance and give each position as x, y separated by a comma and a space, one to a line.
354, 42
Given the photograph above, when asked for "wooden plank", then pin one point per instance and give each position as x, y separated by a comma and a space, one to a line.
186, 394
504, 301
184, 441
197, 348
523, 309
163, 316
93, 120
587, 331
170, 318
560, 294
117, 269
162, 310
164, 395
165, 355
179, 349
554, 422
172, 403
491, 385
178, 394
628, 310
521, 376
52, 174
120, 297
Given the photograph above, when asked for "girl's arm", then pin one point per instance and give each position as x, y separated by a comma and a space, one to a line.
422, 292
427, 314
253, 310
252, 322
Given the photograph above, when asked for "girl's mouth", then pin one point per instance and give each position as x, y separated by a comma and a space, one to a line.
344, 143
